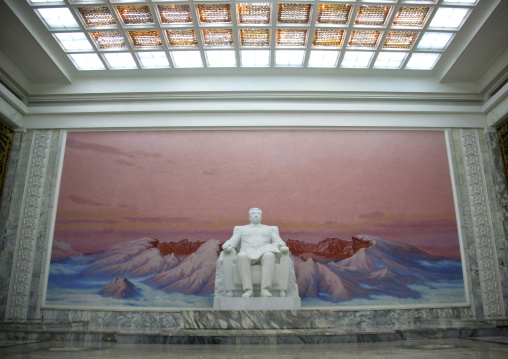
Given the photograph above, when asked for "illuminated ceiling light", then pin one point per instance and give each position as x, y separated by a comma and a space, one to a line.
287, 58
390, 60
255, 37
323, 58
146, 38
291, 37
87, 61
214, 13
460, 1
96, 16
435, 40
221, 58
325, 37
411, 16
108, 40
255, 58
372, 15
58, 18
359, 59
254, 13
189, 59
135, 15
120, 60
84, 1
182, 37
422, 61
73, 41
294, 13
333, 14
155, 59
400, 40
46, 1
175, 13
449, 17
364, 38
218, 37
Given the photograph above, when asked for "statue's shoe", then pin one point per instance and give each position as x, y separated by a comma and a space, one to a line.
247, 294
265, 293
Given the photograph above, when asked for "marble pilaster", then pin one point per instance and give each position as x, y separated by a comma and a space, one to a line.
21, 279
483, 231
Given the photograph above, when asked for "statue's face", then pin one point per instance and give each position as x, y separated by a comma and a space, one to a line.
255, 216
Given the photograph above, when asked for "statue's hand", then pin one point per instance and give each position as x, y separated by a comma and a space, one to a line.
284, 250
227, 249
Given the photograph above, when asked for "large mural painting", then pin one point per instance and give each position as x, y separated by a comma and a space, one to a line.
368, 215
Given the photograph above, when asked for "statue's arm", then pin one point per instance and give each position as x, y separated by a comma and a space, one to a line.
276, 238
234, 240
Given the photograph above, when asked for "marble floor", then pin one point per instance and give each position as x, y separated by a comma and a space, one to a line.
478, 348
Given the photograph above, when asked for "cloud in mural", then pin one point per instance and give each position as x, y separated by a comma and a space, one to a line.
126, 163
86, 201
328, 223
372, 215
65, 220
166, 219
81, 145
149, 154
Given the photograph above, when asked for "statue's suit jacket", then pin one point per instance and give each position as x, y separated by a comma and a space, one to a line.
256, 240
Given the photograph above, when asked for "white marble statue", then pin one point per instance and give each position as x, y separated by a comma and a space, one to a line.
257, 243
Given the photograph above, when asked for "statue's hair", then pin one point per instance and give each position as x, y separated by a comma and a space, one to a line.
252, 209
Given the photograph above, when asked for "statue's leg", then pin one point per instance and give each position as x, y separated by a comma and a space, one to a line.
267, 267
243, 265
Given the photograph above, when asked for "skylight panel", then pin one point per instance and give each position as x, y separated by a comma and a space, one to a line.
435, 40
390, 60
96, 16
87, 61
255, 58
152, 60
72, 41
291, 37
255, 37
46, 1
294, 13
189, 59
214, 13
254, 13
120, 60
450, 18
58, 18
333, 13
328, 37
175, 13
372, 15
422, 61
218, 37
292, 58
323, 58
358, 59
221, 58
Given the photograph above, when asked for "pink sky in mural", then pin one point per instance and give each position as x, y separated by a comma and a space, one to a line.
196, 184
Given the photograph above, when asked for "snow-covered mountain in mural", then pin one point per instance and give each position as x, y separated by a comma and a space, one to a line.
366, 269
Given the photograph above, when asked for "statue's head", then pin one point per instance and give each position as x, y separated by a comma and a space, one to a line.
255, 215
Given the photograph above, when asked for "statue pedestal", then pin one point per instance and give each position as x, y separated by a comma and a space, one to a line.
256, 303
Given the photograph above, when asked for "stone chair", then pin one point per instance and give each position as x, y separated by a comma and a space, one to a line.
233, 284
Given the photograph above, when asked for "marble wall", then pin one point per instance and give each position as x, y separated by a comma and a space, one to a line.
26, 222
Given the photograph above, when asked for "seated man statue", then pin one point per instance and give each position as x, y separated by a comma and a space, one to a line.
258, 243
